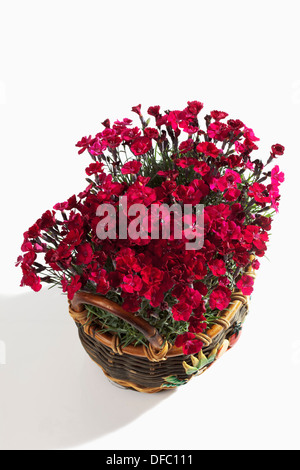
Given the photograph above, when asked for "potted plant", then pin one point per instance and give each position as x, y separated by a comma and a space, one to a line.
158, 254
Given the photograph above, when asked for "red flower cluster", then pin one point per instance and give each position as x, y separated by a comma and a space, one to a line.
174, 161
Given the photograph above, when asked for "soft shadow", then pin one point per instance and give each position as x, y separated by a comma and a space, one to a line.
52, 395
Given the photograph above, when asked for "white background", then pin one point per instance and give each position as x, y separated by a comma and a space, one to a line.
65, 66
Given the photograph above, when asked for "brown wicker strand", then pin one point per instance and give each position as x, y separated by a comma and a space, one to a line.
204, 338
115, 345
156, 355
223, 322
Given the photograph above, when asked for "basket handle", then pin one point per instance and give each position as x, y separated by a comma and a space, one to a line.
83, 298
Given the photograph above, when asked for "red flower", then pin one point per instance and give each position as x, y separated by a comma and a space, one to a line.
182, 311
33, 232
277, 176
130, 134
259, 192
126, 261
189, 343
194, 107
137, 109
152, 276
217, 267
173, 119
255, 264
131, 168
151, 133
218, 115
71, 287
229, 180
245, 284
84, 143
218, 131
141, 145
132, 303
154, 110
131, 283
97, 147
202, 168
30, 279
94, 168
186, 146
85, 254
209, 149
197, 325
232, 194
106, 123
249, 134
220, 298
278, 149
253, 234
191, 194
103, 284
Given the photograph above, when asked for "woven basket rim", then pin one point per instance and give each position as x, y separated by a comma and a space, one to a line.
225, 317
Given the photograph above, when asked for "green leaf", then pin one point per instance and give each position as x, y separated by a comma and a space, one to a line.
173, 380
200, 363
189, 370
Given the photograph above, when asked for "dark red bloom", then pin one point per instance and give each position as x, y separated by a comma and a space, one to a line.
151, 133
259, 193
220, 298
191, 194
182, 311
194, 107
154, 110
131, 168
202, 168
94, 168
255, 264
47, 220
85, 254
71, 287
33, 232
137, 109
209, 149
132, 303
141, 145
100, 277
106, 123
97, 147
232, 194
151, 275
30, 279
84, 143
217, 267
186, 146
277, 176
278, 149
130, 134
218, 131
189, 343
197, 325
218, 115
245, 284
131, 283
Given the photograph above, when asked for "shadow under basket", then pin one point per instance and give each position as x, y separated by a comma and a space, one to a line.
160, 366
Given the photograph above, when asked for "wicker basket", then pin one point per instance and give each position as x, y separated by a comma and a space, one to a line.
160, 366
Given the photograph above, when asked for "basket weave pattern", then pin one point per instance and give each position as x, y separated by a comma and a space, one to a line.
145, 369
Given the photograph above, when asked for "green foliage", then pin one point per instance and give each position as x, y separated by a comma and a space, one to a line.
200, 362
172, 381
161, 320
